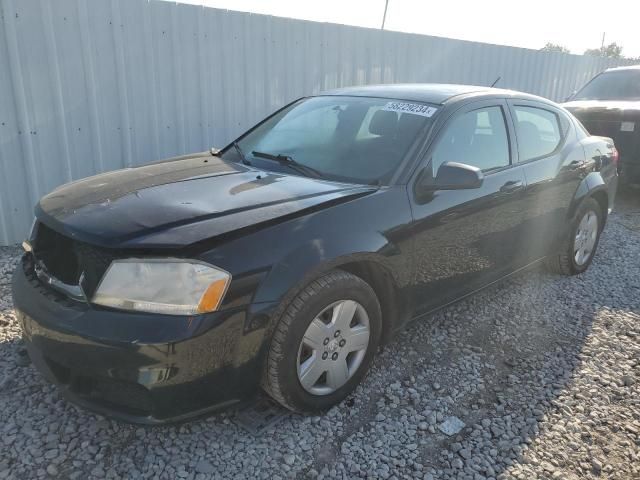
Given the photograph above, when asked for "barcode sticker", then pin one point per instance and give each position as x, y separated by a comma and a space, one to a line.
413, 108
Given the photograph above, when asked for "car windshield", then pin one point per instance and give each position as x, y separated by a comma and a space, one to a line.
351, 139
620, 85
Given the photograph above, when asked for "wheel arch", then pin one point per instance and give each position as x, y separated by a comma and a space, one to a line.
373, 268
592, 186
385, 288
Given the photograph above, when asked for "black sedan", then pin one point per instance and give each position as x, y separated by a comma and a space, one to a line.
610, 105
285, 259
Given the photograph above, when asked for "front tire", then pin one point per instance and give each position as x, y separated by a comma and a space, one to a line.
579, 248
324, 343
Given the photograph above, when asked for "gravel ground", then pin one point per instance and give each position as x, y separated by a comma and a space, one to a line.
539, 377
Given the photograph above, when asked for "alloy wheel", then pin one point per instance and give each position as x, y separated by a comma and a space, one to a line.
586, 236
333, 347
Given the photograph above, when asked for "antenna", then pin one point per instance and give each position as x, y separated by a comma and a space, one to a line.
384, 16
497, 80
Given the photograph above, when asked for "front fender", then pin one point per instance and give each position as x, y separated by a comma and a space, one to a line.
273, 264
320, 255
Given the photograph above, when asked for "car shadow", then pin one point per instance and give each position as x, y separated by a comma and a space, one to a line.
515, 363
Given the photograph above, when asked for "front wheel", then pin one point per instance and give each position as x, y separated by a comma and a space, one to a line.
579, 248
324, 343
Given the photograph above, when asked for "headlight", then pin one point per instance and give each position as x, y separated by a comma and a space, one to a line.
170, 286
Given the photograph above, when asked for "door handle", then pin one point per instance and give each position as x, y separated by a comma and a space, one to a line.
511, 186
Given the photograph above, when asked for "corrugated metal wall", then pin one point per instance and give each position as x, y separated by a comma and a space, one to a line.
94, 85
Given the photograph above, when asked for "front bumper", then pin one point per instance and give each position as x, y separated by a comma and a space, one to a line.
141, 368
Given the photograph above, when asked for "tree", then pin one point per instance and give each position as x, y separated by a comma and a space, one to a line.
613, 50
554, 47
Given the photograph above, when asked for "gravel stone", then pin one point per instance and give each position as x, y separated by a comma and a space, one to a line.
542, 369
451, 426
204, 466
596, 464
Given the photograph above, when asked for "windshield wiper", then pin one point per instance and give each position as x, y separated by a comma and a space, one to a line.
241, 153
290, 162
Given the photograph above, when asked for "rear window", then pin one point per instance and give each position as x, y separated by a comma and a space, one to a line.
616, 85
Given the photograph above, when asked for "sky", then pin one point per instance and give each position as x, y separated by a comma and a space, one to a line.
575, 24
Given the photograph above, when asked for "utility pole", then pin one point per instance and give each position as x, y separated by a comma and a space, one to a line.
384, 17
602, 46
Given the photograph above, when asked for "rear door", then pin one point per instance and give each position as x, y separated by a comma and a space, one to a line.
553, 160
465, 239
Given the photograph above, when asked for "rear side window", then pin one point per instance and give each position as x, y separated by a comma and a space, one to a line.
538, 132
478, 138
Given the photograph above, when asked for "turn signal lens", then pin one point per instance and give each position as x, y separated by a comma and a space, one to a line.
212, 298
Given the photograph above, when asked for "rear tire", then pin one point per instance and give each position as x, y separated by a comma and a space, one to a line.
323, 343
580, 245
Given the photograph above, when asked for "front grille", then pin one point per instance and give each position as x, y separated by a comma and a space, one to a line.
67, 259
51, 294
57, 252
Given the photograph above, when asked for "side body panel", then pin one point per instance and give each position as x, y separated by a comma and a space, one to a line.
270, 263
552, 182
466, 239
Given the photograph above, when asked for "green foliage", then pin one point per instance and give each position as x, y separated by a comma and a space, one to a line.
554, 47
613, 50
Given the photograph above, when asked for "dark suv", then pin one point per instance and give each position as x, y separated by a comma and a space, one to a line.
285, 259
610, 105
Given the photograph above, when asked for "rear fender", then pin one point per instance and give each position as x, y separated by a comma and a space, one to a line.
591, 186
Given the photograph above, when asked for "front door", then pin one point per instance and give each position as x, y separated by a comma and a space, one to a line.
465, 239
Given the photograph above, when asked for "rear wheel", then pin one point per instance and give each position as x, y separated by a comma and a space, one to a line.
578, 249
324, 343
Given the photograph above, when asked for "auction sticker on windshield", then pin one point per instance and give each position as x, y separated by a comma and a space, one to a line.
413, 108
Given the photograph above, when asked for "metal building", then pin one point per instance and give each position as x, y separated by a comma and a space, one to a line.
94, 85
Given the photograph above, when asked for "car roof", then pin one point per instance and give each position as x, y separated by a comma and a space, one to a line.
628, 67
436, 93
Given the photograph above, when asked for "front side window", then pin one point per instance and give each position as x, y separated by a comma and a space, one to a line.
538, 132
478, 138
616, 85
357, 139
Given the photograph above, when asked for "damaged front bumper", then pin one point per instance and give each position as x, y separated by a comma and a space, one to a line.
142, 368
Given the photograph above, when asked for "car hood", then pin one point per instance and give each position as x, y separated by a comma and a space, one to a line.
180, 202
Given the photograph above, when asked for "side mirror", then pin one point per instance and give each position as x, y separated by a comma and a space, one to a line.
454, 176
